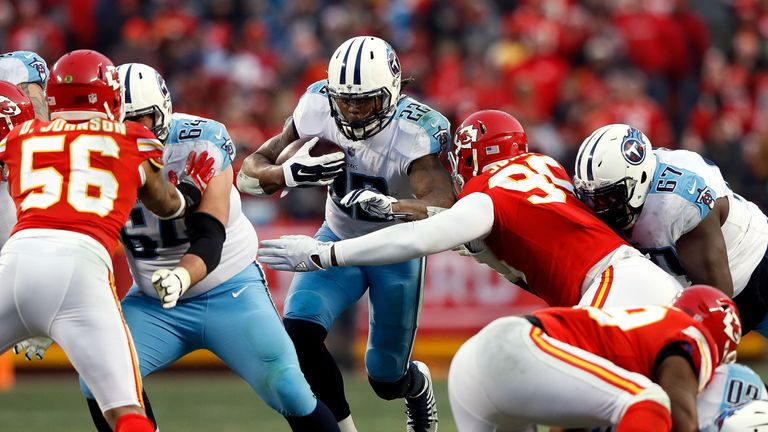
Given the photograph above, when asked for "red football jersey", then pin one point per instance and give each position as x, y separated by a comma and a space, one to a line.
632, 337
541, 228
77, 176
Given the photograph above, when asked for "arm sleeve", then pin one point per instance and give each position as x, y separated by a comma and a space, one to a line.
470, 218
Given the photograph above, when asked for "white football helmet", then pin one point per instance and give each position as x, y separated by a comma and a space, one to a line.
363, 86
749, 417
614, 170
146, 93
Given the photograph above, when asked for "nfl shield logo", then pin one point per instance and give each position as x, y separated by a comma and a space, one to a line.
92, 98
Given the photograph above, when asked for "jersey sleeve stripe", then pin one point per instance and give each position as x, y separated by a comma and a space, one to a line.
606, 282
149, 144
545, 344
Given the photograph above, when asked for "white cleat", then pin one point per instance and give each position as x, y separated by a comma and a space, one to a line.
422, 409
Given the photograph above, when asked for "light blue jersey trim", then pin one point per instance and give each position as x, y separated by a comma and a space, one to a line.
670, 179
319, 87
187, 128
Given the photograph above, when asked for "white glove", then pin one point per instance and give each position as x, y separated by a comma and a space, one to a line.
303, 170
33, 347
373, 202
296, 253
170, 285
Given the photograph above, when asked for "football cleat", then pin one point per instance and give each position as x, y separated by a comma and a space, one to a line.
422, 409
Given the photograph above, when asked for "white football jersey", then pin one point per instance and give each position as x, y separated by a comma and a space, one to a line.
381, 161
151, 243
17, 67
731, 385
682, 193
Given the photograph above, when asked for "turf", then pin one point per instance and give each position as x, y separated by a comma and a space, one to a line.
191, 402
199, 401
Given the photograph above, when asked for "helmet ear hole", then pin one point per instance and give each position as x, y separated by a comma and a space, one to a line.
643, 177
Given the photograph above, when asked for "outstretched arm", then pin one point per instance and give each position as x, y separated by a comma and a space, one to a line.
468, 219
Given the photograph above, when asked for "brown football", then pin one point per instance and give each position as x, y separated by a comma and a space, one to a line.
322, 147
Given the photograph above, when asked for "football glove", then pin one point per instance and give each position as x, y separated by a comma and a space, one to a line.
303, 170
374, 203
295, 253
480, 252
170, 285
34, 347
198, 170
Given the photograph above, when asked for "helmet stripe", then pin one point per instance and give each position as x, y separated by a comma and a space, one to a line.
127, 85
582, 150
356, 79
590, 175
343, 77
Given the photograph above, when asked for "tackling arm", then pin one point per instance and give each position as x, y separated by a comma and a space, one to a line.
470, 218
160, 196
259, 175
430, 184
702, 250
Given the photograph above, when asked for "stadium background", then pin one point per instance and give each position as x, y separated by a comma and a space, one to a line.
690, 74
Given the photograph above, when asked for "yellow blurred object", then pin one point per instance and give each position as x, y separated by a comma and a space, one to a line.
752, 347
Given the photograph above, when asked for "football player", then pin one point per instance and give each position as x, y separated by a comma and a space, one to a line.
676, 206
30, 72
732, 386
638, 368
74, 181
196, 284
392, 173
517, 214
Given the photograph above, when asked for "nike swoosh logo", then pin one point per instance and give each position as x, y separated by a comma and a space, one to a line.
301, 172
434, 123
693, 188
237, 293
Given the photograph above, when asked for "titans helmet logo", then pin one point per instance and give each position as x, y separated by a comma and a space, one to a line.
632, 147
393, 62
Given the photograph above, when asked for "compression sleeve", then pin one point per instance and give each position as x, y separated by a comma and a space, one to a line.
470, 218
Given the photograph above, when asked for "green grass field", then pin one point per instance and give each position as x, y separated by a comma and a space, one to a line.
199, 402
191, 402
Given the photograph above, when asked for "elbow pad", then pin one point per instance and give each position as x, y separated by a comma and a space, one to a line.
206, 238
249, 185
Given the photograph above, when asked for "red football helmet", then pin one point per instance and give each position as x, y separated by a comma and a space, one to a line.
717, 313
483, 138
15, 107
85, 82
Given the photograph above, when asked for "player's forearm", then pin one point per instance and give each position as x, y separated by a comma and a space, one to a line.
164, 200
260, 176
410, 240
37, 96
195, 266
417, 208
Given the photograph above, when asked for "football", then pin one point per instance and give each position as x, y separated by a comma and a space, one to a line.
322, 147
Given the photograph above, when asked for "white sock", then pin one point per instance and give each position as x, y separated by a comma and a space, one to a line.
347, 425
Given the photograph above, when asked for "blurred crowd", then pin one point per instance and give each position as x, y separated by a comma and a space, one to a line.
690, 74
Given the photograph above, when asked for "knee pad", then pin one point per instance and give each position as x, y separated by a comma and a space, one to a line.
304, 333
288, 391
390, 390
